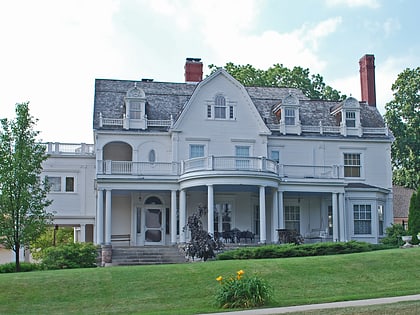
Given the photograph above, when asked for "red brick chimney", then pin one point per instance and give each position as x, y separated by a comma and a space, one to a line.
367, 79
193, 70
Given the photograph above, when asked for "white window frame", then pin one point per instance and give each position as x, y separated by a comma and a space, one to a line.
363, 216
290, 116
360, 166
63, 178
292, 217
350, 119
220, 109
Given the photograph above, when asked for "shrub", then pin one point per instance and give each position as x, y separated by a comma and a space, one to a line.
202, 244
24, 267
242, 291
74, 255
414, 216
292, 250
393, 235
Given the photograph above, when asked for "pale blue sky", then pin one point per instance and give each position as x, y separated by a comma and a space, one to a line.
52, 51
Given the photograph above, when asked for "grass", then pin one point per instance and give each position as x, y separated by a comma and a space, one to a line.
190, 288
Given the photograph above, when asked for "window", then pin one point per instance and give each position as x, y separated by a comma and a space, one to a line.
152, 156
362, 219
381, 220
289, 116
196, 150
351, 119
242, 151
223, 211
275, 156
69, 184
219, 109
135, 110
352, 165
292, 218
54, 182
330, 220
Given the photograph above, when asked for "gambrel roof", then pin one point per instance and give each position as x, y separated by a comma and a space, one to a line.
165, 100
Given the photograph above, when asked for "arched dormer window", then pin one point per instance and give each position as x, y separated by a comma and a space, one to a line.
289, 115
135, 108
220, 109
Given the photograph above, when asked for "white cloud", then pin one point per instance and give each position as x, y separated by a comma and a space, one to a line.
374, 4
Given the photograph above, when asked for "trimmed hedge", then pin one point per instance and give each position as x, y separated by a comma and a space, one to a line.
24, 267
304, 250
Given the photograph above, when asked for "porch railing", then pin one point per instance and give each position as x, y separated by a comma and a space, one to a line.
137, 168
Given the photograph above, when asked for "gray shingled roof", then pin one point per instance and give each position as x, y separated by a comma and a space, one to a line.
166, 99
401, 201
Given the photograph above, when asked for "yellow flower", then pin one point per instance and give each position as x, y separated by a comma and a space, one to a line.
219, 278
240, 273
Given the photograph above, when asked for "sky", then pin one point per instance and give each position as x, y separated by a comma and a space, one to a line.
52, 51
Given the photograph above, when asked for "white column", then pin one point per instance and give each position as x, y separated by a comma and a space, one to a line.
108, 214
335, 217
210, 209
82, 233
263, 232
173, 216
342, 217
274, 217
182, 215
100, 217
281, 210
75, 235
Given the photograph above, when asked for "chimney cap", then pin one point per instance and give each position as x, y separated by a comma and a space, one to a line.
146, 80
193, 59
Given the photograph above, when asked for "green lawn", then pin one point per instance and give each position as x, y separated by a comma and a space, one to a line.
190, 288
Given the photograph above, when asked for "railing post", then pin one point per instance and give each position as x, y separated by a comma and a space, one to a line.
57, 148
101, 121
211, 162
108, 167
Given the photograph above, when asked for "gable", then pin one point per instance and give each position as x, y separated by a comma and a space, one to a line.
205, 109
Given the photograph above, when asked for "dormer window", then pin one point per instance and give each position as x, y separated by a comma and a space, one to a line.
135, 110
350, 119
219, 109
289, 118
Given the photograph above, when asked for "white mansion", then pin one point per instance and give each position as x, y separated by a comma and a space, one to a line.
259, 159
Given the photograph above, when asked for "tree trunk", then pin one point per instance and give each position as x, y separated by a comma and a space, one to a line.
17, 256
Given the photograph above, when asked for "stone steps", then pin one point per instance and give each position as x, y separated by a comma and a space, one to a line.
146, 255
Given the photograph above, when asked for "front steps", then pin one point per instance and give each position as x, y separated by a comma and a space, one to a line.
146, 255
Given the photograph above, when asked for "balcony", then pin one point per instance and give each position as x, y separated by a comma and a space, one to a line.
57, 148
217, 163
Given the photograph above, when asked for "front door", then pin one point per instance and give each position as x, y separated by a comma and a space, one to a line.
154, 223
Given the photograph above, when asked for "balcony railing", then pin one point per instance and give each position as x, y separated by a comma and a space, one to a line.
57, 148
218, 163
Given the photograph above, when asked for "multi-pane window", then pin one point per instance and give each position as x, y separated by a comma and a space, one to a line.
243, 152
135, 110
196, 150
352, 165
69, 184
350, 119
54, 182
362, 216
289, 116
292, 218
219, 109
61, 184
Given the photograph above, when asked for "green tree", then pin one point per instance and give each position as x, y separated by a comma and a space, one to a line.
414, 216
312, 86
23, 195
403, 118
52, 236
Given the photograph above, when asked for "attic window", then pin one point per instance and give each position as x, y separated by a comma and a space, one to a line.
289, 116
350, 119
218, 109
